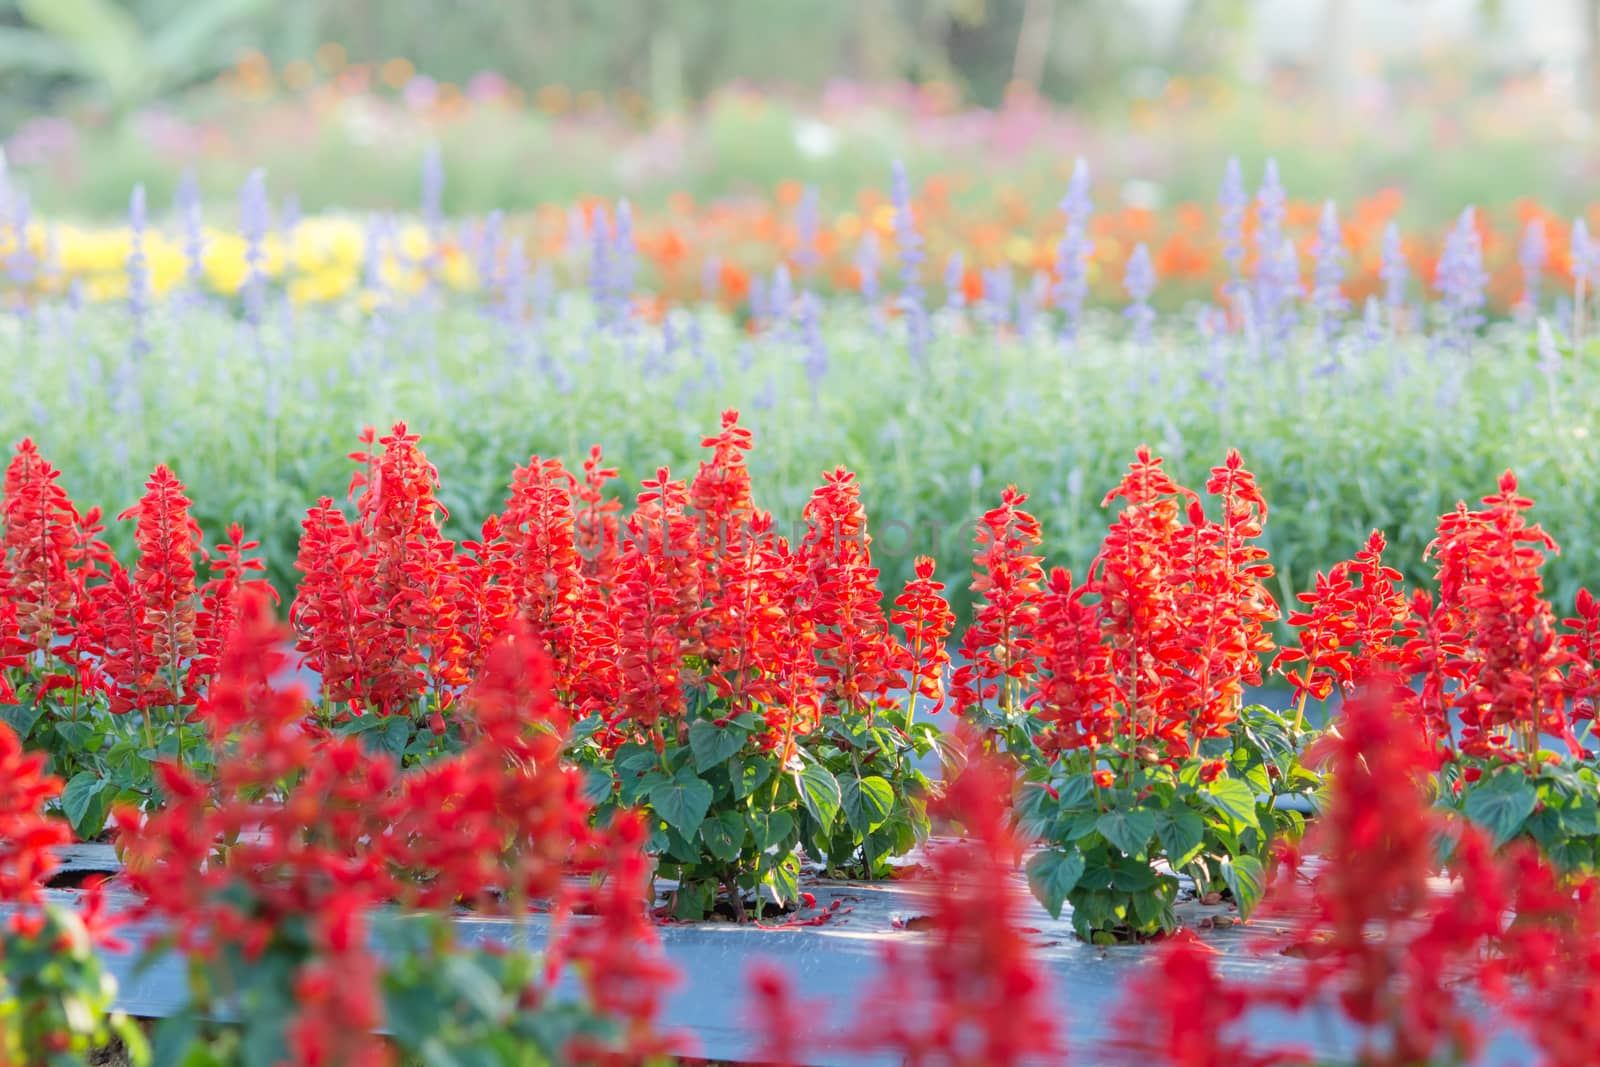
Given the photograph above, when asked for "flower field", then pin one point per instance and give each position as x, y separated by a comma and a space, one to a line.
610, 573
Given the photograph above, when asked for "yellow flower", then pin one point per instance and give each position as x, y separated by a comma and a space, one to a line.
94, 251
458, 273
324, 242
98, 288
225, 266
323, 285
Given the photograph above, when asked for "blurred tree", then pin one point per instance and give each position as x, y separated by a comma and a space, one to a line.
124, 54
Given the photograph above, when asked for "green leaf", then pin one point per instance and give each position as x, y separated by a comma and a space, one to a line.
866, 802
174, 1036
1182, 833
1077, 792
770, 828
748, 775
819, 791
394, 735
712, 744
21, 718
694, 899
682, 802
1233, 799
475, 987
1129, 831
105, 36
597, 785
1502, 804
1582, 817
724, 835
1053, 874
78, 803
783, 878
1036, 809
1246, 879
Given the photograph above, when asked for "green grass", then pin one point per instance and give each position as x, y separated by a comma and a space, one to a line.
1379, 443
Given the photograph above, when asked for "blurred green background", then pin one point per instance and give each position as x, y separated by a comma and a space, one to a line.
549, 101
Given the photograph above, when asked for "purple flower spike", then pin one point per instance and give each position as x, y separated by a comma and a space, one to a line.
1460, 280
909, 243
1328, 276
1394, 271
138, 274
1233, 202
954, 269
1072, 254
1532, 256
1140, 281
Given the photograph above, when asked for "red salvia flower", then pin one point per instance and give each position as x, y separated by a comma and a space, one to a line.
1553, 949
1491, 590
598, 526
1580, 646
1358, 626
1077, 697
485, 594
973, 995
1378, 934
338, 1000
41, 546
169, 539
777, 1016
855, 652
623, 971
130, 673
720, 495
924, 616
1007, 574
1179, 1012
219, 603
539, 520
27, 836
787, 682
741, 622
656, 599
410, 632
330, 614
1222, 602
1436, 655
1134, 574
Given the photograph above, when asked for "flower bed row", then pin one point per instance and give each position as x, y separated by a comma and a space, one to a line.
748, 692
489, 716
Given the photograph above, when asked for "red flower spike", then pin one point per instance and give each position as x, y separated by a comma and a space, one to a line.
538, 518
598, 527
855, 652
330, 614
924, 616
168, 542
1007, 574
1076, 696
1492, 604
42, 545
28, 837
1379, 936
1179, 1012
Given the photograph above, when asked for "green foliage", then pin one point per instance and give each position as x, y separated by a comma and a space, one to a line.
731, 815
54, 987
105, 760
1554, 803
125, 53
1116, 833
1336, 454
